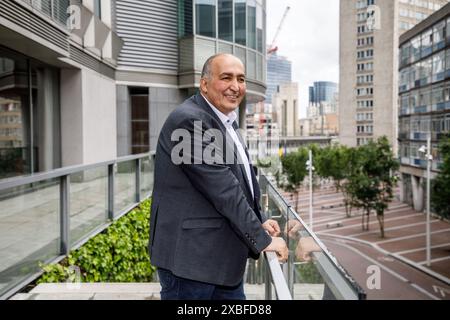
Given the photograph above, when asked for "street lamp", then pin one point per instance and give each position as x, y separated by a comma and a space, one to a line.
429, 157
310, 167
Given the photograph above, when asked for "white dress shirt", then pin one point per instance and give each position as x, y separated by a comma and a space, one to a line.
228, 123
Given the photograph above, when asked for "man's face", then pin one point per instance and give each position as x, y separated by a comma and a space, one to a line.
226, 86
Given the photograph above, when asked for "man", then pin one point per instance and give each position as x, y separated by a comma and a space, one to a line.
205, 217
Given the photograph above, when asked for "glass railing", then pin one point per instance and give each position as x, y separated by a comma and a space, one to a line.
311, 272
44, 216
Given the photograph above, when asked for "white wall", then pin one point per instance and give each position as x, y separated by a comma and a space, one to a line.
88, 117
71, 118
99, 118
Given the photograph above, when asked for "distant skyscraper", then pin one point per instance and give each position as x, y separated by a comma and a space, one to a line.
279, 71
322, 91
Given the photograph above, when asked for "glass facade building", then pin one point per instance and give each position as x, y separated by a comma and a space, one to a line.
279, 71
424, 95
322, 91
207, 27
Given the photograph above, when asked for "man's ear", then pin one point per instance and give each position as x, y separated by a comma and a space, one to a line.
203, 86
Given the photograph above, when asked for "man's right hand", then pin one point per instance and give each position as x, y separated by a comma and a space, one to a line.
278, 245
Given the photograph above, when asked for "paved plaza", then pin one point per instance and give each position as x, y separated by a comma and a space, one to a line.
401, 255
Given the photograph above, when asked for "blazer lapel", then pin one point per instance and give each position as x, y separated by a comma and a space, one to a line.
201, 102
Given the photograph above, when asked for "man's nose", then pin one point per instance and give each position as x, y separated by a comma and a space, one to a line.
234, 85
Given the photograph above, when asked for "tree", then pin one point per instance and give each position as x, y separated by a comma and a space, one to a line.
294, 168
372, 182
332, 162
440, 195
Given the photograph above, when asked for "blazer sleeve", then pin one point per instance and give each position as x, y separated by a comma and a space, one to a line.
221, 188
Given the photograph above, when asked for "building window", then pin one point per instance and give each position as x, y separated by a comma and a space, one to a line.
226, 20
260, 16
140, 142
185, 18
240, 22
98, 9
205, 18
30, 138
251, 24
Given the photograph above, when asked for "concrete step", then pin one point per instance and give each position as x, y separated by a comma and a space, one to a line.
141, 291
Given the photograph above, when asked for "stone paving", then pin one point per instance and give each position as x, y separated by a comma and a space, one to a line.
400, 253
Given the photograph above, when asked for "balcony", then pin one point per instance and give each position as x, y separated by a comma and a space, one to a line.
58, 30
45, 216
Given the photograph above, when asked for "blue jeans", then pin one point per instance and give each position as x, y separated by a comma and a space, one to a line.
176, 288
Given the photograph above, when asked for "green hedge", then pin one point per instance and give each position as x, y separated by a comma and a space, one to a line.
118, 254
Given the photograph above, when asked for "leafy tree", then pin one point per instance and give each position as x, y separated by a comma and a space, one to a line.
440, 195
294, 167
371, 182
332, 162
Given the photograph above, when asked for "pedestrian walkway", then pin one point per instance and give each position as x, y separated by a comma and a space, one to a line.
401, 254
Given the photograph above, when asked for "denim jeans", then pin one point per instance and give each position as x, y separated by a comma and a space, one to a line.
176, 288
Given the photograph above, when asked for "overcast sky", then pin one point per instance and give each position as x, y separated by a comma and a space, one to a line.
309, 38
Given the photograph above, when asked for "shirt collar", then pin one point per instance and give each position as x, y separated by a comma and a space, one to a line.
226, 120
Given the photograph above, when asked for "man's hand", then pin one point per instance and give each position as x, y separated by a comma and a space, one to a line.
306, 246
272, 227
292, 227
278, 245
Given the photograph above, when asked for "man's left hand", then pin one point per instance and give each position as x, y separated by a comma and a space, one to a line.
272, 227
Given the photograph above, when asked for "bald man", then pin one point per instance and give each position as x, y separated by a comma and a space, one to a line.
205, 215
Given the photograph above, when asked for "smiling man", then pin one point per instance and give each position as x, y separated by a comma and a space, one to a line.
205, 217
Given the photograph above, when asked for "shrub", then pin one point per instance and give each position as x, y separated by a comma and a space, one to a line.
118, 254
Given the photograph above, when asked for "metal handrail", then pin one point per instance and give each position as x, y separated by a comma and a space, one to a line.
280, 284
342, 287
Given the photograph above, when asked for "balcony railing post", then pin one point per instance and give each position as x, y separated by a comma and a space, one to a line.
111, 191
267, 282
138, 179
64, 196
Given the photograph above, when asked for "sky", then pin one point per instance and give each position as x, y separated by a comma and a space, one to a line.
309, 38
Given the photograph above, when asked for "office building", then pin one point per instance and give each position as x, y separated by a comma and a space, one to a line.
279, 71
369, 36
87, 81
424, 98
322, 91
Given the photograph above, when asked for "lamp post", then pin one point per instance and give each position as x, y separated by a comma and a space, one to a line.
310, 167
429, 158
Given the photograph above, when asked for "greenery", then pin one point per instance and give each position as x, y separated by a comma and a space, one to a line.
372, 182
364, 174
308, 273
294, 167
440, 193
119, 254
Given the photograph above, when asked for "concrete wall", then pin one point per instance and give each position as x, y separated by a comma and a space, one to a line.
123, 121
71, 117
88, 117
162, 102
99, 118
347, 75
385, 111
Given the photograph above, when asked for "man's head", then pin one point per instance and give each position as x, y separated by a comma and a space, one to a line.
223, 82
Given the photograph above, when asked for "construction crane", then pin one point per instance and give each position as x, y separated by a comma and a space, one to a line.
274, 48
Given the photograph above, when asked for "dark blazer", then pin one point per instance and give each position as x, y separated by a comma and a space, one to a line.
204, 221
